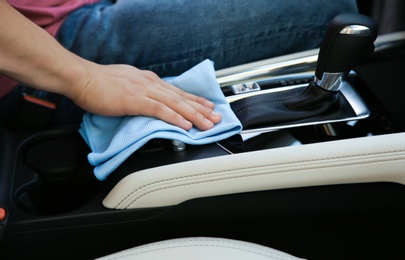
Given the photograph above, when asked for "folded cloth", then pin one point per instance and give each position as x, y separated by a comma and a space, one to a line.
113, 139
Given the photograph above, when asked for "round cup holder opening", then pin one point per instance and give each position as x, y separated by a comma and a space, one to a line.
66, 180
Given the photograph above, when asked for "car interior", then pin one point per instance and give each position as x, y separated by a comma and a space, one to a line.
317, 171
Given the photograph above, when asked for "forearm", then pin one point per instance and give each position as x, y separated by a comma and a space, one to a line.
30, 55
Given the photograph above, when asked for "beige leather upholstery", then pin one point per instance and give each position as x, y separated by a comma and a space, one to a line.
199, 248
358, 160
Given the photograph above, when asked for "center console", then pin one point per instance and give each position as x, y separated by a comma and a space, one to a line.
53, 201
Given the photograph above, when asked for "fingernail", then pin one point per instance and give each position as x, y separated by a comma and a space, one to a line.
209, 123
215, 114
209, 103
187, 125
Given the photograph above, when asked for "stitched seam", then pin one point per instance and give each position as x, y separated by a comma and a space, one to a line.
261, 174
185, 246
257, 167
271, 101
205, 240
273, 255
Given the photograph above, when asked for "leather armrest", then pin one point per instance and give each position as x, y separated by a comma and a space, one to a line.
358, 160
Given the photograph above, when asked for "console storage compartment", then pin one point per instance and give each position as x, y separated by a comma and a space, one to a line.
53, 174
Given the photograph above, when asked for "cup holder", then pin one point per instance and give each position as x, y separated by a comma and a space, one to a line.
63, 179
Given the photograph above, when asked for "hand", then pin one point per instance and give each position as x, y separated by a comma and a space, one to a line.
31, 56
116, 90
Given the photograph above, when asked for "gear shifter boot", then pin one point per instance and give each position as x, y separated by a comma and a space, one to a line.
285, 106
349, 38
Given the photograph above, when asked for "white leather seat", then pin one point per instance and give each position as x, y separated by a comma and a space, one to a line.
198, 248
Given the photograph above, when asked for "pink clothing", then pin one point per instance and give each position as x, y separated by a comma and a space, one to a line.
49, 14
6, 85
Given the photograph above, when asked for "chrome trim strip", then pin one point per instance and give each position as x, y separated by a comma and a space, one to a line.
276, 128
234, 98
256, 71
353, 98
357, 104
246, 87
390, 37
300, 62
292, 65
330, 81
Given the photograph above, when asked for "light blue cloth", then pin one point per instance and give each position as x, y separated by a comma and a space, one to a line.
113, 139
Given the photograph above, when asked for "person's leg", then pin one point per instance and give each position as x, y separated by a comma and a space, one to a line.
169, 37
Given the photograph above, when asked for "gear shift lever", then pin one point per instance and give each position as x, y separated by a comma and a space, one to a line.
348, 39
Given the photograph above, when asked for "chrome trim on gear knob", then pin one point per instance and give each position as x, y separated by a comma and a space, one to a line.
355, 29
330, 81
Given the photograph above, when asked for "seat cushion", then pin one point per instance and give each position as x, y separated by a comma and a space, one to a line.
198, 248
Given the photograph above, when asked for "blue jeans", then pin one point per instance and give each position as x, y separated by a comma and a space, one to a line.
169, 37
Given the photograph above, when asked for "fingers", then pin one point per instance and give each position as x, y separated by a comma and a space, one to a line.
159, 110
116, 90
176, 106
189, 96
180, 111
196, 110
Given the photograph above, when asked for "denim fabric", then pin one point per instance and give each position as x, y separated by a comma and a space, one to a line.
169, 37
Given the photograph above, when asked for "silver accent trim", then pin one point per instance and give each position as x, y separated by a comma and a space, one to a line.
247, 87
357, 104
329, 129
301, 62
223, 148
360, 109
330, 81
234, 98
178, 146
355, 29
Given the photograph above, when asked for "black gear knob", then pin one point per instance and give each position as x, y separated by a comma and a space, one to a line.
348, 39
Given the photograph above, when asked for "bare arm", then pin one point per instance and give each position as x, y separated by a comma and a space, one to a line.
30, 55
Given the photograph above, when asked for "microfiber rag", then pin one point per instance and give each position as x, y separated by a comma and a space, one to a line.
113, 139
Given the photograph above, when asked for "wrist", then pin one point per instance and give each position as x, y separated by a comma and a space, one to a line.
73, 78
